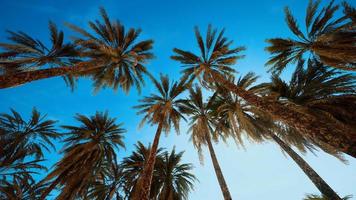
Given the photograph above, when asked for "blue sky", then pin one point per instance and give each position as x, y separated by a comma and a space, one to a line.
260, 171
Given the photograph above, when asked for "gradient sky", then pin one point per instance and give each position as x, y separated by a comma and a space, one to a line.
260, 171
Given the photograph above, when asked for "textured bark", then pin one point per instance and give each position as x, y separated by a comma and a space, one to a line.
323, 187
218, 172
20, 78
337, 135
144, 183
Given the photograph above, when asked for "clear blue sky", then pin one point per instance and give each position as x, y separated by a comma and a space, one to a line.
257, 172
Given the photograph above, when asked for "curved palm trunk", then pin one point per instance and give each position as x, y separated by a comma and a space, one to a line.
20, 78
329, 132
323, 187
144, 183
218, 172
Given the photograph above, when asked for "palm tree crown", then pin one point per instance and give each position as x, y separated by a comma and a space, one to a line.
320, 89
176, 177
332, 41
88, 149
203, 119
133, 166
21, 188
165, 106
172, 179
242, 117
27, 53
22, 142
216, 54
116, 51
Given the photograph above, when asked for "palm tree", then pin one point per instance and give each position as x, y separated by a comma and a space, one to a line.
88, 149
322, 197
23, 142
161, 109
20, 188
176, 178
322, 90
110, 184
25, 55
203, 128
17, 181
215, 63
112, 58
330, 40
259, 126
172, 180
133, 167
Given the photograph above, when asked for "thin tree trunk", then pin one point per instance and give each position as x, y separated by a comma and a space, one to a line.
335, 134
20, 78
218, 172
323, 187
144, 183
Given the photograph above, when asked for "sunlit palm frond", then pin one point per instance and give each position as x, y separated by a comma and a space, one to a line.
176, 177
88, 148
118, 53
323, 91
23, 142
171, 179
133, 166
28, 53
216, 54
203, 119
163, 107
329, 39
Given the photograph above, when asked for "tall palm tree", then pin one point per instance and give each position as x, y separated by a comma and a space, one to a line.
215, 63
23, 142
204, 128
172, 180
330, 39
88, 149
162, 109
258, 126
133, 167
176, 177
112, 57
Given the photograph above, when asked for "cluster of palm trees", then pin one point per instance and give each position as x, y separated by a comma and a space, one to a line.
314, 110
89, 168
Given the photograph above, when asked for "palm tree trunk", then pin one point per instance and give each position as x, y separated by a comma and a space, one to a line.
144, 183
20, 78
335, 134
323, 187
218, 172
